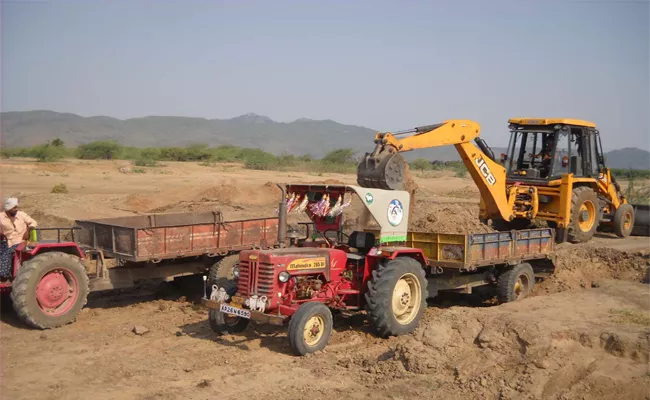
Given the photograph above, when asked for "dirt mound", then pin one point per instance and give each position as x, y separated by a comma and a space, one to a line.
584, 266
223, 193
509, 352
465, 192
138, 203
446, 218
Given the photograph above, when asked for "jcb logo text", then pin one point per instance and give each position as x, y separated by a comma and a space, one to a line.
482, 166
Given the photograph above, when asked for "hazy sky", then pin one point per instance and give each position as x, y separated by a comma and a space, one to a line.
381, 64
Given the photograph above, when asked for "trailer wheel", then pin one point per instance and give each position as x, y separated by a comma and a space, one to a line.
396, 296
624, 220
50, 290
516, 283
224, 324
585, 214
310, 328
222, 270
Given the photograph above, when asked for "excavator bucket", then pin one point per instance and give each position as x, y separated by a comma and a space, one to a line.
641, 220
383, 169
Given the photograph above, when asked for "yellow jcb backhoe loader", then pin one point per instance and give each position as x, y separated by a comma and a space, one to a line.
554, 170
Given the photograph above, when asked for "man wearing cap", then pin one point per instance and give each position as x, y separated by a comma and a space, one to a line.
15, 226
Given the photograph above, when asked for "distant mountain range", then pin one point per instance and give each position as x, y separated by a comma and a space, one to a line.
302, 136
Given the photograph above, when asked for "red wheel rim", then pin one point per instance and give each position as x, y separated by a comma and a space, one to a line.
57, 292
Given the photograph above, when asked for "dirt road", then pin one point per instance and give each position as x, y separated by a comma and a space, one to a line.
585, 334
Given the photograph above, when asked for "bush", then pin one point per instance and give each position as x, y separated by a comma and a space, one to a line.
422, 164
173, 154
100, 150
48, 152
139, 170
60, 188
145, 162
198, 152
339, 156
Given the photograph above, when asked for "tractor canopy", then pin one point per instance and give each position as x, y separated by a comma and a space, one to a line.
325, 205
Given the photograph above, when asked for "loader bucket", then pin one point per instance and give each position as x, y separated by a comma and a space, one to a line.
383, 170
641, 220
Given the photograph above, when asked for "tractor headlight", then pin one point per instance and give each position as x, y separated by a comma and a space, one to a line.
284, 276
235, 271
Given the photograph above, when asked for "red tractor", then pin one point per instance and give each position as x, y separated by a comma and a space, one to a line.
48, 284
299, 284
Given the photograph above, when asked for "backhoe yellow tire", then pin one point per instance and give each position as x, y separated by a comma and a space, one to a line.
585, 215
624, 220
310, 328
397, 296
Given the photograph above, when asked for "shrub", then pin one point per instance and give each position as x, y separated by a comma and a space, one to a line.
198, 152
145, 162
422, 164
48, 152
139, 170
173, 154
339, 156
100, 150
60, 188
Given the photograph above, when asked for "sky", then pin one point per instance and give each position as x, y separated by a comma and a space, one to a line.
386, 65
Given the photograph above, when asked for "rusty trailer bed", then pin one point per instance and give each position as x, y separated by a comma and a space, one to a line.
165, 236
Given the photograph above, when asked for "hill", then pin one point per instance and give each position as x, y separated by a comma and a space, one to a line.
302, 136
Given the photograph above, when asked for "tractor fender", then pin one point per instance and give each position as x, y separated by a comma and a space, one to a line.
63, 247
392, 253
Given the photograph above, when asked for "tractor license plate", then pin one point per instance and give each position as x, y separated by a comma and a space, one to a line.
235, 311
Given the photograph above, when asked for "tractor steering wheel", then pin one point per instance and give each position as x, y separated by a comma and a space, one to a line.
334, 242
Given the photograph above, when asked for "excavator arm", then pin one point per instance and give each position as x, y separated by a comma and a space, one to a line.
385, 168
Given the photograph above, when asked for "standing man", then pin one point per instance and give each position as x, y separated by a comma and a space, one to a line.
15, 226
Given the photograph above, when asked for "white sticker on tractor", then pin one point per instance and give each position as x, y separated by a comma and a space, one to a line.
395, 212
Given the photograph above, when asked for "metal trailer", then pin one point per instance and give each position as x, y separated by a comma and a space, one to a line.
167, 245
460, 262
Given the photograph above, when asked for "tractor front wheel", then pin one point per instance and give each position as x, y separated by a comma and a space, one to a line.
222, 323
310, 328
397, 296
50, 290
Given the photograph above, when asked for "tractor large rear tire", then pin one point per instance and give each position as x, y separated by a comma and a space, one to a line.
397, 296
221, 271
50, 290
624, 220
585, 215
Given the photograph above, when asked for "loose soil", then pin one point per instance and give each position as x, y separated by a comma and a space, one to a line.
584, 333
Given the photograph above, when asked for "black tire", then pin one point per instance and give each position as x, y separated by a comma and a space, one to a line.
223, 324
320, 317
379, 298
24, 293
221, 271
583, 195
516, 283
515, 224
624, 220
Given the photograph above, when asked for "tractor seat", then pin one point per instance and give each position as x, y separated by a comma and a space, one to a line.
362, 242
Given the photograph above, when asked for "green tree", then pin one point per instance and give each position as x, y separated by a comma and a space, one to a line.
100, 150
339, 156
48, 152
422, 164
58, 143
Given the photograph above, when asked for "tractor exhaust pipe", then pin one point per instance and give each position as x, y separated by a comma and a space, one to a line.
282, 214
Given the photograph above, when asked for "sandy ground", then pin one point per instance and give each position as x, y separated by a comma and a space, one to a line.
584, 334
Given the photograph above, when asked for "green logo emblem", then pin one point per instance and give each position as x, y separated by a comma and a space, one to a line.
369, 198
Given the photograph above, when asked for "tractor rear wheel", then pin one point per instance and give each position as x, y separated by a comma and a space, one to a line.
222, 270
396, 296
310, 328
585, 214
50, 290
624, 220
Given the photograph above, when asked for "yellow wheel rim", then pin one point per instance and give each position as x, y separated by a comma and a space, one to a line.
407, 296
521, 286
587, 216
314, 329
627, 220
